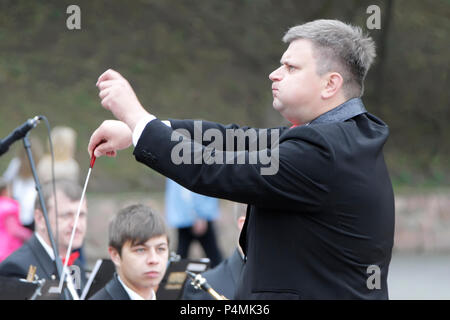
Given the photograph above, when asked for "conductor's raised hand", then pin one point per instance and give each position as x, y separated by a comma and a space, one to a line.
111, 136
118, 96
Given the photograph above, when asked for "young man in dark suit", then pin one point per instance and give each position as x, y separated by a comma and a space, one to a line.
37, 251
320, 219
139, 247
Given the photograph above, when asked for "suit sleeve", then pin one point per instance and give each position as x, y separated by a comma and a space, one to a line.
300, 168
198, 127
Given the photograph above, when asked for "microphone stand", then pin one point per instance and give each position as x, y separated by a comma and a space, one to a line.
58, 262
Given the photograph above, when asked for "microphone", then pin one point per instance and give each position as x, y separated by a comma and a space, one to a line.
18, 133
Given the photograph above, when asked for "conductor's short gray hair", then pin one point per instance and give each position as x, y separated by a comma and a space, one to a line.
338, 47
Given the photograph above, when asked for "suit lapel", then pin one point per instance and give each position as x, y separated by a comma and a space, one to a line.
116, 290
243, 235
236, 264
349, 109
46, 267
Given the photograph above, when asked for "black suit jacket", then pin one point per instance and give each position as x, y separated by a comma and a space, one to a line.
112, 291
316, 228
33, 253
223, 279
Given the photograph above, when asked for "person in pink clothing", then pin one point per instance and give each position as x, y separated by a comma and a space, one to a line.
12, 233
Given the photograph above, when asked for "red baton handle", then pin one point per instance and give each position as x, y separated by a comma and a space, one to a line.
92, 160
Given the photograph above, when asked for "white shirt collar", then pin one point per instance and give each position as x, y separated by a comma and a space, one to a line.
133, 294
47, 248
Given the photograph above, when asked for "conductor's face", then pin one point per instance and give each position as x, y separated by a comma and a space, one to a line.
142, 267
296, 87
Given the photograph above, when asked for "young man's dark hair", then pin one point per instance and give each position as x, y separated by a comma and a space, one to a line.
135, 223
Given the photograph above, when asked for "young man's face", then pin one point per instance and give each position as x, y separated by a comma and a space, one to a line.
296, 87
142, 267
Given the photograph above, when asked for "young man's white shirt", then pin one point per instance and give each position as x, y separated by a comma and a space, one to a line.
132, 294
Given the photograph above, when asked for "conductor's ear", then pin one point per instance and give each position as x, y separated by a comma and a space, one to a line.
334, 82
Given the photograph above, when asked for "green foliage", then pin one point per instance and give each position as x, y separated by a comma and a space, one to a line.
211, 59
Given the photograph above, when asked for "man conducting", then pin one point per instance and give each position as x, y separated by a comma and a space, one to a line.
321, 226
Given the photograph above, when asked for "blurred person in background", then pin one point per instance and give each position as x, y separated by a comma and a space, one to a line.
224, 278
12, 233
23, 186
64, 141
193, 216
37, 251
64, 145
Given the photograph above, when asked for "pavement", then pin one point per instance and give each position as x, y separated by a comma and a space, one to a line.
419, 276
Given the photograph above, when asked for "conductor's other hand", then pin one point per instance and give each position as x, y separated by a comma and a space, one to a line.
118, 97
199, 228
111, 136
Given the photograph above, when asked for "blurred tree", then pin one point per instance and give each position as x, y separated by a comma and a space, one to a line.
211, 59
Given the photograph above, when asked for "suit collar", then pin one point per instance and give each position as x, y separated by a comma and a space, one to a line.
46, 247
236, 263
116, 290
47, 265
349, 109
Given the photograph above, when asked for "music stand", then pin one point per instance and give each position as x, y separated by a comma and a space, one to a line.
171, 286
43, 290
16, 289
102, 273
